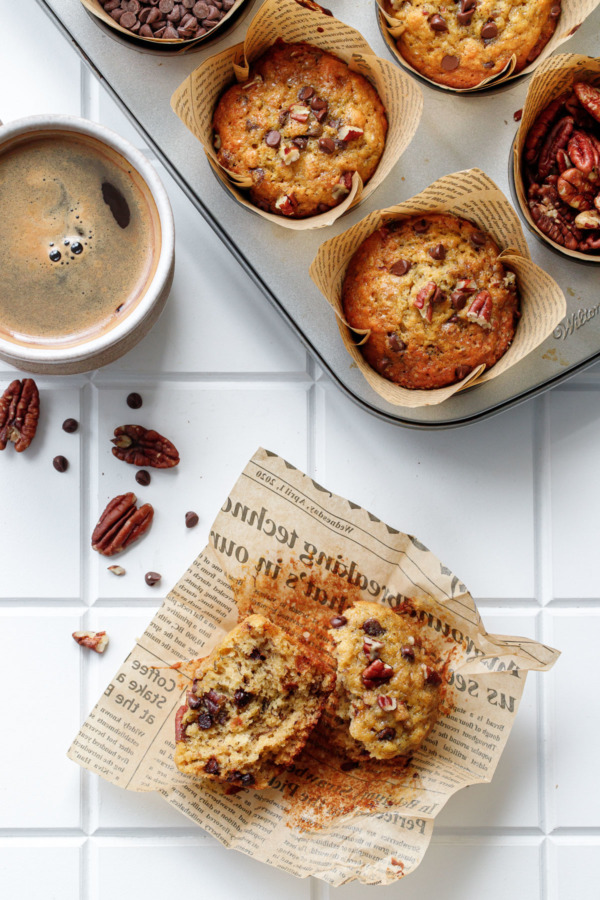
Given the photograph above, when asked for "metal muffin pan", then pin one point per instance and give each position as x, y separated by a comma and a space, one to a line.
456, 132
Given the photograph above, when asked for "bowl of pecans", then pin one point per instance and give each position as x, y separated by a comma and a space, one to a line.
556, 156
164, 24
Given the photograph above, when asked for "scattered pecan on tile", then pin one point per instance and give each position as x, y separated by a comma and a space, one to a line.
144, 447
19, 414
121, 524
94, 640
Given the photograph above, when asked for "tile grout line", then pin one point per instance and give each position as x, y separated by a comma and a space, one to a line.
543, 592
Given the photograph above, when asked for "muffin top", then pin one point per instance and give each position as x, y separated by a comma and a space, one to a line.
299, 127
459, 44
434, 296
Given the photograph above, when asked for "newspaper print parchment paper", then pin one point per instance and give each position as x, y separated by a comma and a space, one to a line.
280, 530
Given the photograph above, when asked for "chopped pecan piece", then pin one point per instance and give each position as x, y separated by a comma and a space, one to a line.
121, 524
372, 647
387, 703
338, 621
431, 676
19, 413
589, 97
95, 640
376, 673
179, 726
144, 447
480, 310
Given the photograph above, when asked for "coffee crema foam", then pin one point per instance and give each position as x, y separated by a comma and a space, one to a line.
80, 237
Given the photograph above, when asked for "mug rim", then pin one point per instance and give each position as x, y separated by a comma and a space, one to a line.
96, 344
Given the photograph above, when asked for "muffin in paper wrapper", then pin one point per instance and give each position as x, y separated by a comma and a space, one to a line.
97, 10
472, 195
284, 546
553, 78
572, 16
195, 100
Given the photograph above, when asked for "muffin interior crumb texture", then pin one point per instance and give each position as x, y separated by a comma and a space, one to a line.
435, 297
460, 43
252, 705
388, 681
299, 127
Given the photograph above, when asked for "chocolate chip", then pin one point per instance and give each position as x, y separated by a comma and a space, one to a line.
518, 115
338, 621
213, 701
191, 519
256, 654
432, 677
489, 31
128, 20
194, 702
247, 779
204, 721
306, 93
421, 226
349, 766
166, 6
152, 578
450, 63
70, 425
60, 463
555, 12
318, 103
408, 653
320, 114
395, 342
327, 145
314, 130
400, 267
300, 142
458, 299
273, 139
200, 9
242, 698
437, 252
373, 627
488, 65
438, 23
134, 401
464, 18
386, 734
479, 238
212, 766
143, 477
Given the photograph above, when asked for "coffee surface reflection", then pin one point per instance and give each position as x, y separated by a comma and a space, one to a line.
79, 239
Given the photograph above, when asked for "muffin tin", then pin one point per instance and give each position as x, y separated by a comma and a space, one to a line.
456, 132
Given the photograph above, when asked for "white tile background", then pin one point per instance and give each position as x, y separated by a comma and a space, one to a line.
511, 504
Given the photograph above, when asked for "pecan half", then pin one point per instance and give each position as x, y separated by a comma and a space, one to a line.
480, 310
94, 640
589, 97
554, 225
575, 190
144, 447
121, 524
19, 414
556, 140
584, 154
179, 726
541, 127
376, 673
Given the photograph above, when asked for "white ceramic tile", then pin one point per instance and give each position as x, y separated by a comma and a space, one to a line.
465, 493
207, 869
216, 430
511, 800
112, 806
575, 437
40, 714
456, 870
39, 507
29, 86
40, 870
574, 727
215, 319
576, 867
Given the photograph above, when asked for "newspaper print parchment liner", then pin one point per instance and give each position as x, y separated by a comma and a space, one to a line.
472, 195
97, 10
280, 528
574, 13
194, 101
552, 78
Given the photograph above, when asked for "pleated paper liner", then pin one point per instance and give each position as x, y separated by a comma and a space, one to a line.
573, 14
472, 195
554, 77
195, 100
300, 554
97, 10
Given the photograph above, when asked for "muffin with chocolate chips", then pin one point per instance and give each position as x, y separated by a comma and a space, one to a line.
435, 298
251, 707
299, 127
390, 681
460, 43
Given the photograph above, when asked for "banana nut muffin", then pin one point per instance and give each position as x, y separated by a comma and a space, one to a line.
300, 126
459, 43
389, 677
253, 703
435, 297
